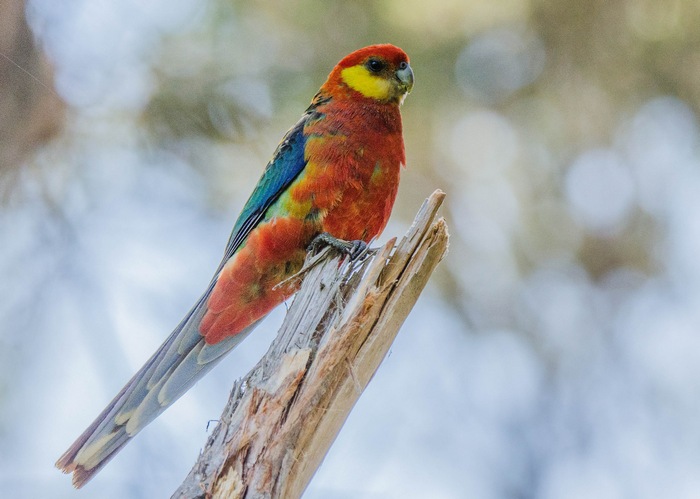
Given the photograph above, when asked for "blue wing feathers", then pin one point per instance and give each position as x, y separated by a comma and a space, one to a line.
286, 164
184, 356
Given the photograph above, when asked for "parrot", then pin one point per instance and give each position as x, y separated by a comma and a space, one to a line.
333, 178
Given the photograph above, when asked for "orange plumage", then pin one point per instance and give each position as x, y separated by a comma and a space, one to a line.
336, 172
354, 152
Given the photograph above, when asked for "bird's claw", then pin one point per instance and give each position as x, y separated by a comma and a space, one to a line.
354, 249
359, 248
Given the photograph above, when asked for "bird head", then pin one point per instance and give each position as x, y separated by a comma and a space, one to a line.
379, 72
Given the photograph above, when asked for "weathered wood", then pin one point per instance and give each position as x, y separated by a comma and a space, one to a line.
283, 416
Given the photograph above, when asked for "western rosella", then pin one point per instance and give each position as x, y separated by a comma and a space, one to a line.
335, 174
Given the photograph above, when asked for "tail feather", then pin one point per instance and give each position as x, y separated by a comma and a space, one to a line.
200, 359
182, 344
178, 364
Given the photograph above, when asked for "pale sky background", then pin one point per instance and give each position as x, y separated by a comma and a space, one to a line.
556, 352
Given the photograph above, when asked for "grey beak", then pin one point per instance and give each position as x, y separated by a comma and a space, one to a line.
405, 76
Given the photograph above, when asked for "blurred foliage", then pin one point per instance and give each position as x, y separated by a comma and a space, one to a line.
31, 113
564, 133
543, 81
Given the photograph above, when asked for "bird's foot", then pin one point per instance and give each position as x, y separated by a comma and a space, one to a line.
354, 249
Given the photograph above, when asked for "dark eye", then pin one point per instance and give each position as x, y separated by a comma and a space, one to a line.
403, 65
375, 65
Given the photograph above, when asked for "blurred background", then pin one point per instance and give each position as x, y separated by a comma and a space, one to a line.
556, 352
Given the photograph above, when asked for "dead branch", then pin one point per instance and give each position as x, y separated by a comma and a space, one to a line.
283, 416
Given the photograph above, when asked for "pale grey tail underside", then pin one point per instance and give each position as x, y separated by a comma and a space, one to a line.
178, 364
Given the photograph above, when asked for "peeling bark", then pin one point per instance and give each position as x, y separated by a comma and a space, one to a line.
283, 416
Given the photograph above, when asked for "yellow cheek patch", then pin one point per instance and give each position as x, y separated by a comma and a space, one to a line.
361, 80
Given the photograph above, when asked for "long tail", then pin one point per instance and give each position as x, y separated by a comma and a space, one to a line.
168, 374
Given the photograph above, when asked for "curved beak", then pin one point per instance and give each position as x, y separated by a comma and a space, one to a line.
405, 77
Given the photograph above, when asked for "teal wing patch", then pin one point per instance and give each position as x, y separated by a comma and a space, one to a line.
286, 164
